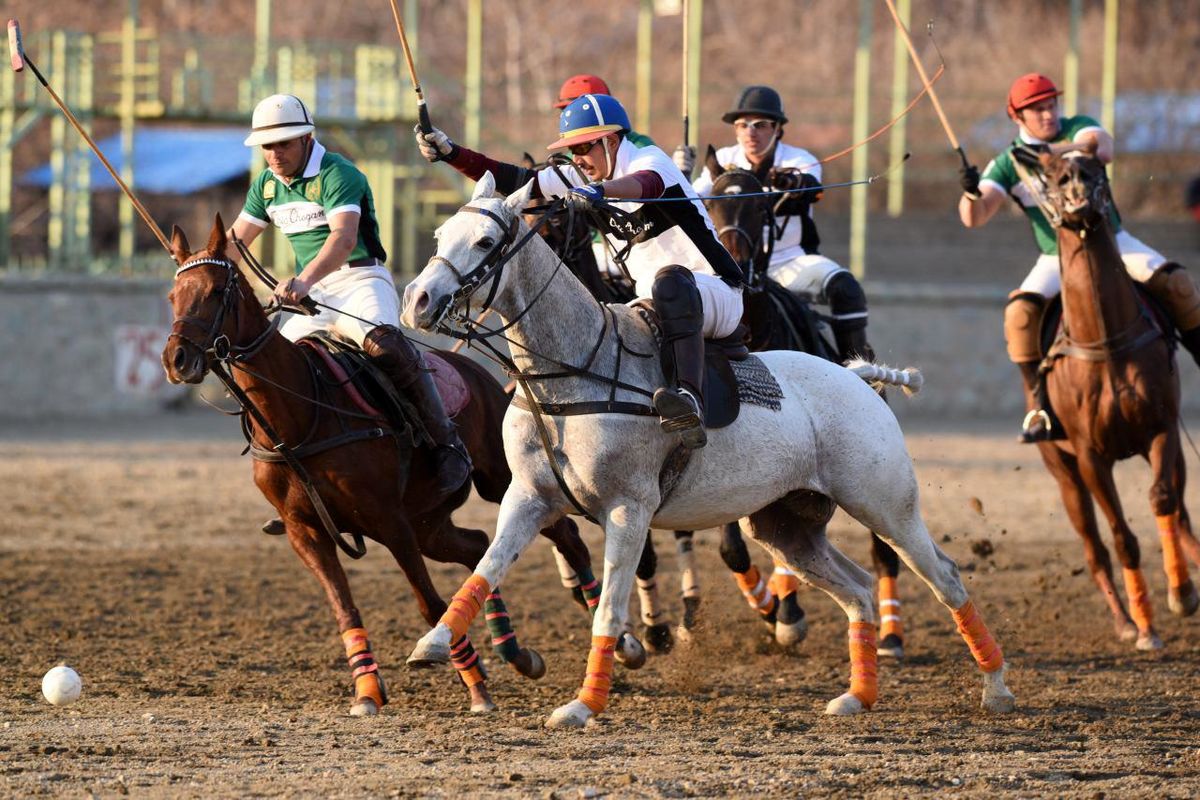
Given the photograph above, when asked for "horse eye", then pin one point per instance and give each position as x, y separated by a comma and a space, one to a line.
1064, 180
485, 243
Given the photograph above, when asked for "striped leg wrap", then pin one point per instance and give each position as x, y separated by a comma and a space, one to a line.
1139, 599
864, 675
591, 590
364, 672
464, 607
466, 661
504, 638
978, 638
598, 679
689, 578
652, 611
755, 590
783, 581
1173, 561
889, 609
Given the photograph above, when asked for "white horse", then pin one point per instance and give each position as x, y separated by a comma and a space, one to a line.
833, 441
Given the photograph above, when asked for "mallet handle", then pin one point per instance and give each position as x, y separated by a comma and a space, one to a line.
422, 110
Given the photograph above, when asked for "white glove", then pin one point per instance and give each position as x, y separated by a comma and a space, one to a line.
435, 145
685, 158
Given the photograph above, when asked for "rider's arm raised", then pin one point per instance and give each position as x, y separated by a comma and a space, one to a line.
976, 211
1101, 140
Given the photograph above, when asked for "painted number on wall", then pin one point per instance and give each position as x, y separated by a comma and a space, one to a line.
138, 365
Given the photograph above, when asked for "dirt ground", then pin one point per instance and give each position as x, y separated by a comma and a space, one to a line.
212, 667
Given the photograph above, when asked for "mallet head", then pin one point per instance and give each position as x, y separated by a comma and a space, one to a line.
15, 50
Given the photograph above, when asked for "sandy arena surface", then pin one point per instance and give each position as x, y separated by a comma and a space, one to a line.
212, 666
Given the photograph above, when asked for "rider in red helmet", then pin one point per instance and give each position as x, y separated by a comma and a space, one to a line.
1033, 105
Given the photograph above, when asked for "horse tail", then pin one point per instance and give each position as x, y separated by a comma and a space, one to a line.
909, 379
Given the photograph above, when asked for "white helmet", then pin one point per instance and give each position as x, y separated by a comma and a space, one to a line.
277, 119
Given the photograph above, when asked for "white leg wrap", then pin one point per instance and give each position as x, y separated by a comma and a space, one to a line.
689, 580
565, 573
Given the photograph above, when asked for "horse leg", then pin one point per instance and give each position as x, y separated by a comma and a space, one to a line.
1182, 598
754, 588
317, 552
625, 526
654, 616
574, 562
791, 625
1187, 539
891, 624
689, 583
803, 546
1077, 500
1097, 474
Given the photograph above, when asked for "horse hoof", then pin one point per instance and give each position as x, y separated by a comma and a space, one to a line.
659, 639
790, 635
845, 706
1149, 642
433, 649
1127, 631
683, 635
364, 707
1183, 600
892, 646
573, 715
530, 664
630, 652
481, 701
997, 697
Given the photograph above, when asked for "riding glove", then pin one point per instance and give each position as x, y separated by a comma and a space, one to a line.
435, 145
968, 176
685, 158
585, 196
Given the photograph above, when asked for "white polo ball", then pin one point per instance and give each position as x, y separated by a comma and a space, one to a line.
61, 685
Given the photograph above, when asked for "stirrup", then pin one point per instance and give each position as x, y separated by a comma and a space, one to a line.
680, 413
1032, 432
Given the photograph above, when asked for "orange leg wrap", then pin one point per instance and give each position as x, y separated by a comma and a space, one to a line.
464, 606
363, 669
889, 609
864, 676
1139, 599
1173, 562
598, 679
466, 661
783, 581
978, 638
755, 589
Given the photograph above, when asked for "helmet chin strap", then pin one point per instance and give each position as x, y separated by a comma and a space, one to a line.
608, 165
308, 148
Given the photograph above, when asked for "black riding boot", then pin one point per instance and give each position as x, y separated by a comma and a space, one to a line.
848, 306
681, 315
395, 355
852, 342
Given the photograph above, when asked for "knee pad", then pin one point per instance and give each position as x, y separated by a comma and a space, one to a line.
677, 302
1174, 287
1023, 326
847, 301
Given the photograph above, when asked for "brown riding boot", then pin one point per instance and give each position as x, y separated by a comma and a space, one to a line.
1173, 287
1022, 332
394, 354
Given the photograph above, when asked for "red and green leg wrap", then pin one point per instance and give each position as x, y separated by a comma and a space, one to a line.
464, 659
598, 680
864, 661
504, 638
590, 587
464, 607
364, 671
978, 638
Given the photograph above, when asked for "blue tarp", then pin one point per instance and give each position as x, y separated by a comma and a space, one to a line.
168, 160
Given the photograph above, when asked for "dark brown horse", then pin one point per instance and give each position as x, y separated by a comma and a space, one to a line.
366, 476
779, 321
1113, 382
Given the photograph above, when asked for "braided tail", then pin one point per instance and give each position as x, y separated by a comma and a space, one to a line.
909, 379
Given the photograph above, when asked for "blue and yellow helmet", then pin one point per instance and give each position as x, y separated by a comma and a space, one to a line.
589, 117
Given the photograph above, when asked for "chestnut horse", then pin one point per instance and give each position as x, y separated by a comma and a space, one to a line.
1111, 377
367, 477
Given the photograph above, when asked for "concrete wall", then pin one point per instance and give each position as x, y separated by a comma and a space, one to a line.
59, 340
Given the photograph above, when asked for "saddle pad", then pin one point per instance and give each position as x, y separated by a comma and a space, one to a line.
450, 384
756, 385
340, 375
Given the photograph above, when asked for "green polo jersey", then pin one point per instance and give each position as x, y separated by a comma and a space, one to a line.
302, 208
639, 140
1002, 172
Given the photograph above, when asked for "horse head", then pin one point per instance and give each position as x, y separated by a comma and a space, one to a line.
1070, 185
205, 299
470, 248
740, 221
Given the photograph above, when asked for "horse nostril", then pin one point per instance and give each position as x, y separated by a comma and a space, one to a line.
422, 302
180, 359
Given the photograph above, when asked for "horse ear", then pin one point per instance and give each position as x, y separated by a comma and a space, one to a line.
485, 187
517, 201
216, 240
527, 160
180, 249
710, 160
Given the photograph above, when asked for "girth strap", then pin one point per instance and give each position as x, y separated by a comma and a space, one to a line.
591, 407
305, 451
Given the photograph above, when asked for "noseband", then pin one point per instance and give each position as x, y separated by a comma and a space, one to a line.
214, 343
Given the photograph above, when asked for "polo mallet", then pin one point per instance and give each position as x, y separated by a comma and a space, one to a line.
937, 105
19, 60
422, 111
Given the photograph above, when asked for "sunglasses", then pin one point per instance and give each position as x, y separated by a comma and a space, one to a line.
583, 149
753, 124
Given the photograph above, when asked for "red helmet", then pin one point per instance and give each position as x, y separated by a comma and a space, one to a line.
578, 85
1029, 89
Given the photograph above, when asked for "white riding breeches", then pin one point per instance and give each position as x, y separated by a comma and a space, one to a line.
1141, 261
366, 292
805, 275
722, 306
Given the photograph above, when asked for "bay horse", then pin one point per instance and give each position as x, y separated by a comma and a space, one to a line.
369, 478
832, 442
778, 321
1112, 379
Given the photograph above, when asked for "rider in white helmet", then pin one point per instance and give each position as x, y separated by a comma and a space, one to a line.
324, 207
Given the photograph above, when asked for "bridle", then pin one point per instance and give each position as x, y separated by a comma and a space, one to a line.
760, 251
216, 344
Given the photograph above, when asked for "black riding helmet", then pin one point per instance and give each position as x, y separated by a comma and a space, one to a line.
761, 100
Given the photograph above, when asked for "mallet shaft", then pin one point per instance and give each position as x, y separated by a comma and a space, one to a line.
422, 110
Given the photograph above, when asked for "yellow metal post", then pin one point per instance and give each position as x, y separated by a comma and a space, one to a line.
695, 35
645, 45
1071, 65
859, 167
407, 257
1108, 88
472, 102
897, 139
56, 197
127, 106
